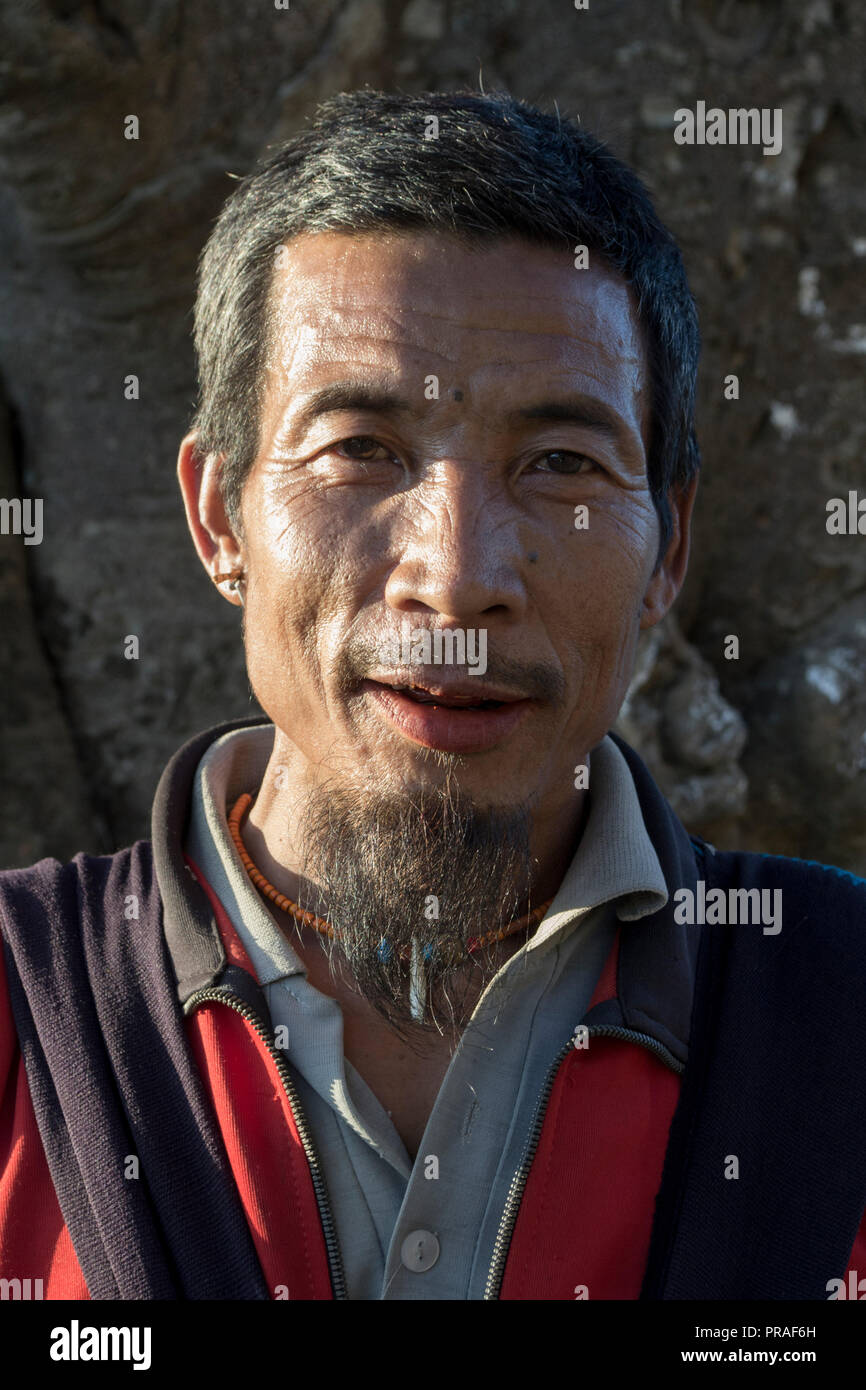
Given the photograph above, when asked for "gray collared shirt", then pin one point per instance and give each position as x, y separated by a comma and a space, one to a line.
451, 1207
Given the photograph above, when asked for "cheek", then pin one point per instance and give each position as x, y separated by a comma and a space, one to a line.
307, 563
600, 587
606, 568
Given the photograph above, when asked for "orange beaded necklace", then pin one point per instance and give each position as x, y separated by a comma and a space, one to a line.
309, 919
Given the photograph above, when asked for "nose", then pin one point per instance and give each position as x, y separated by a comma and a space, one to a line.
461, 560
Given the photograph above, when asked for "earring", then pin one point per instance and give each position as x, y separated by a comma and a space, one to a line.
234, 579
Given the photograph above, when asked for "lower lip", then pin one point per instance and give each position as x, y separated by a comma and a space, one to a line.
449, 730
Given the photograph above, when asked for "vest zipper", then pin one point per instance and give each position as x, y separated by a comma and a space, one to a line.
214, 994
519, 1181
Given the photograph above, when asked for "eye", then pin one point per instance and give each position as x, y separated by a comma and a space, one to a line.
362, 447
566, 462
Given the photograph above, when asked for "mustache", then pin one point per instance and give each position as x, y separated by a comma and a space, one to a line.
535, 680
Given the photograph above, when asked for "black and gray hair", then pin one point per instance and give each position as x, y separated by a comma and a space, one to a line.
498, 167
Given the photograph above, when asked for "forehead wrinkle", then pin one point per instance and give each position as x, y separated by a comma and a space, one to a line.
315, 354
556, 363
438, 356
596, 337
567, 374
394, 318
407, 274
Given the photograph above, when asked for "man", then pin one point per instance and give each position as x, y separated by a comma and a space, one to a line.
420, 989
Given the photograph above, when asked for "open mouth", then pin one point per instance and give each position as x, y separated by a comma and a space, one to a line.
424, 697
457, 721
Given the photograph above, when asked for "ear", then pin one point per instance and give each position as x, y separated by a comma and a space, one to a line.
218, 548
667, 579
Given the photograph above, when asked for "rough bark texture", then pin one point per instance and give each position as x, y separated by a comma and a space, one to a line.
98, 241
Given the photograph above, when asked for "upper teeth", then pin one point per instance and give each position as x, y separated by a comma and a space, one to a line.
418, 693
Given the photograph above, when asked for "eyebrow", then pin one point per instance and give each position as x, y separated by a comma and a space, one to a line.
351, 395
585, 411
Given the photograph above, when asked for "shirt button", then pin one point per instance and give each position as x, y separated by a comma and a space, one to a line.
419, 1251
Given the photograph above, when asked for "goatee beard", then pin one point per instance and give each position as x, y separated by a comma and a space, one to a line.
427, 869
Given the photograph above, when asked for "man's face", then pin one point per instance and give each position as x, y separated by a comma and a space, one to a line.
434, 416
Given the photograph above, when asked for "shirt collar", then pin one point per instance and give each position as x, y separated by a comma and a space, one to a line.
233, 764
615, 861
